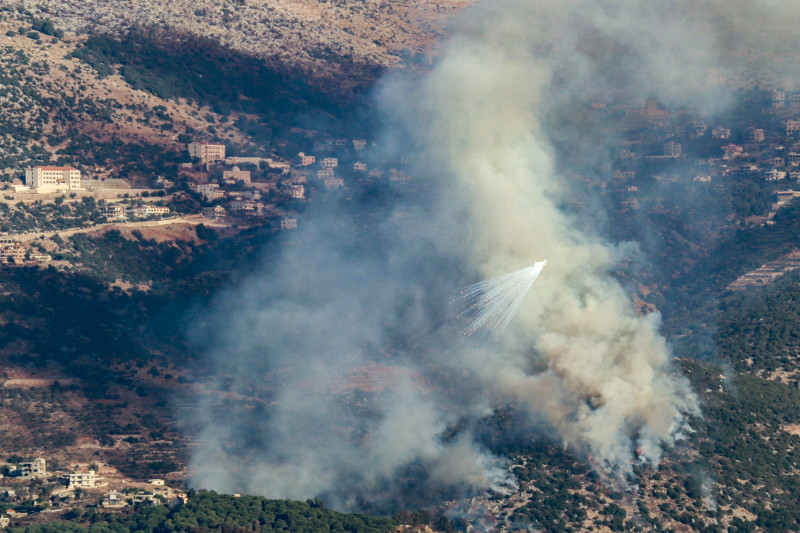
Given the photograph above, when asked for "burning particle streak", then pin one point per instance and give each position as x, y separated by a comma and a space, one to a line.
494, 302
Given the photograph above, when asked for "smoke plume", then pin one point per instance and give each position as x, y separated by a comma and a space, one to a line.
343, 370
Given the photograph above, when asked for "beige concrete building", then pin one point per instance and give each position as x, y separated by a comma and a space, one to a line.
247, 160
209, 191
753, 135
732, 150
51, 179
242, 207
34, 469
329, 162
207, 152
115, 212
298, 192
114, 500
235, 174
306, 160
214, 212
83, 480
15, 253
283, 166
775, 175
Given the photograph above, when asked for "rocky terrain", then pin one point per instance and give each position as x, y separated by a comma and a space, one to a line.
43, 112
347, 40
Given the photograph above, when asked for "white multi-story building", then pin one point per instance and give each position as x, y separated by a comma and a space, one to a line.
115, 212
329, 162
84, 480
207, 152
288, 223
149, 210
50, 179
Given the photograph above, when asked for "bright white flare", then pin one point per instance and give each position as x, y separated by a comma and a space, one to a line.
494, 302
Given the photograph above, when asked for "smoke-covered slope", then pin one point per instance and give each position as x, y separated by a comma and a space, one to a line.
338, 365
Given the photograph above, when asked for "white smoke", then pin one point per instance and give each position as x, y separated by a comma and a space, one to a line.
576, 359
494, 302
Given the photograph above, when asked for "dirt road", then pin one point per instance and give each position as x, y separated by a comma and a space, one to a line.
187, 219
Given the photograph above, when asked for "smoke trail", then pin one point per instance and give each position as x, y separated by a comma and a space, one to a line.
354, 382
494, 302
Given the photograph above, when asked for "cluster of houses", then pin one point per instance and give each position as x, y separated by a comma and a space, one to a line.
754, 151
13, 251
236, 194
119, 212
87, 481
230, 193
156, 493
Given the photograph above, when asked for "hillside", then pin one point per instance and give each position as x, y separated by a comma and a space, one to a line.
102, 343
339, 45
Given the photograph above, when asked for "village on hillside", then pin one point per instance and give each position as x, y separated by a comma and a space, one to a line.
655, 149
221, 190
29, 486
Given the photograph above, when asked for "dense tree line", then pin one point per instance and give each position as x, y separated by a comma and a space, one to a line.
172, 66
209, 511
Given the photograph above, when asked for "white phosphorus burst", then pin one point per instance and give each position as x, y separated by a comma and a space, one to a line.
494, 302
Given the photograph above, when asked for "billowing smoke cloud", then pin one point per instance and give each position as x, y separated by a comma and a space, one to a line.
356, 383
